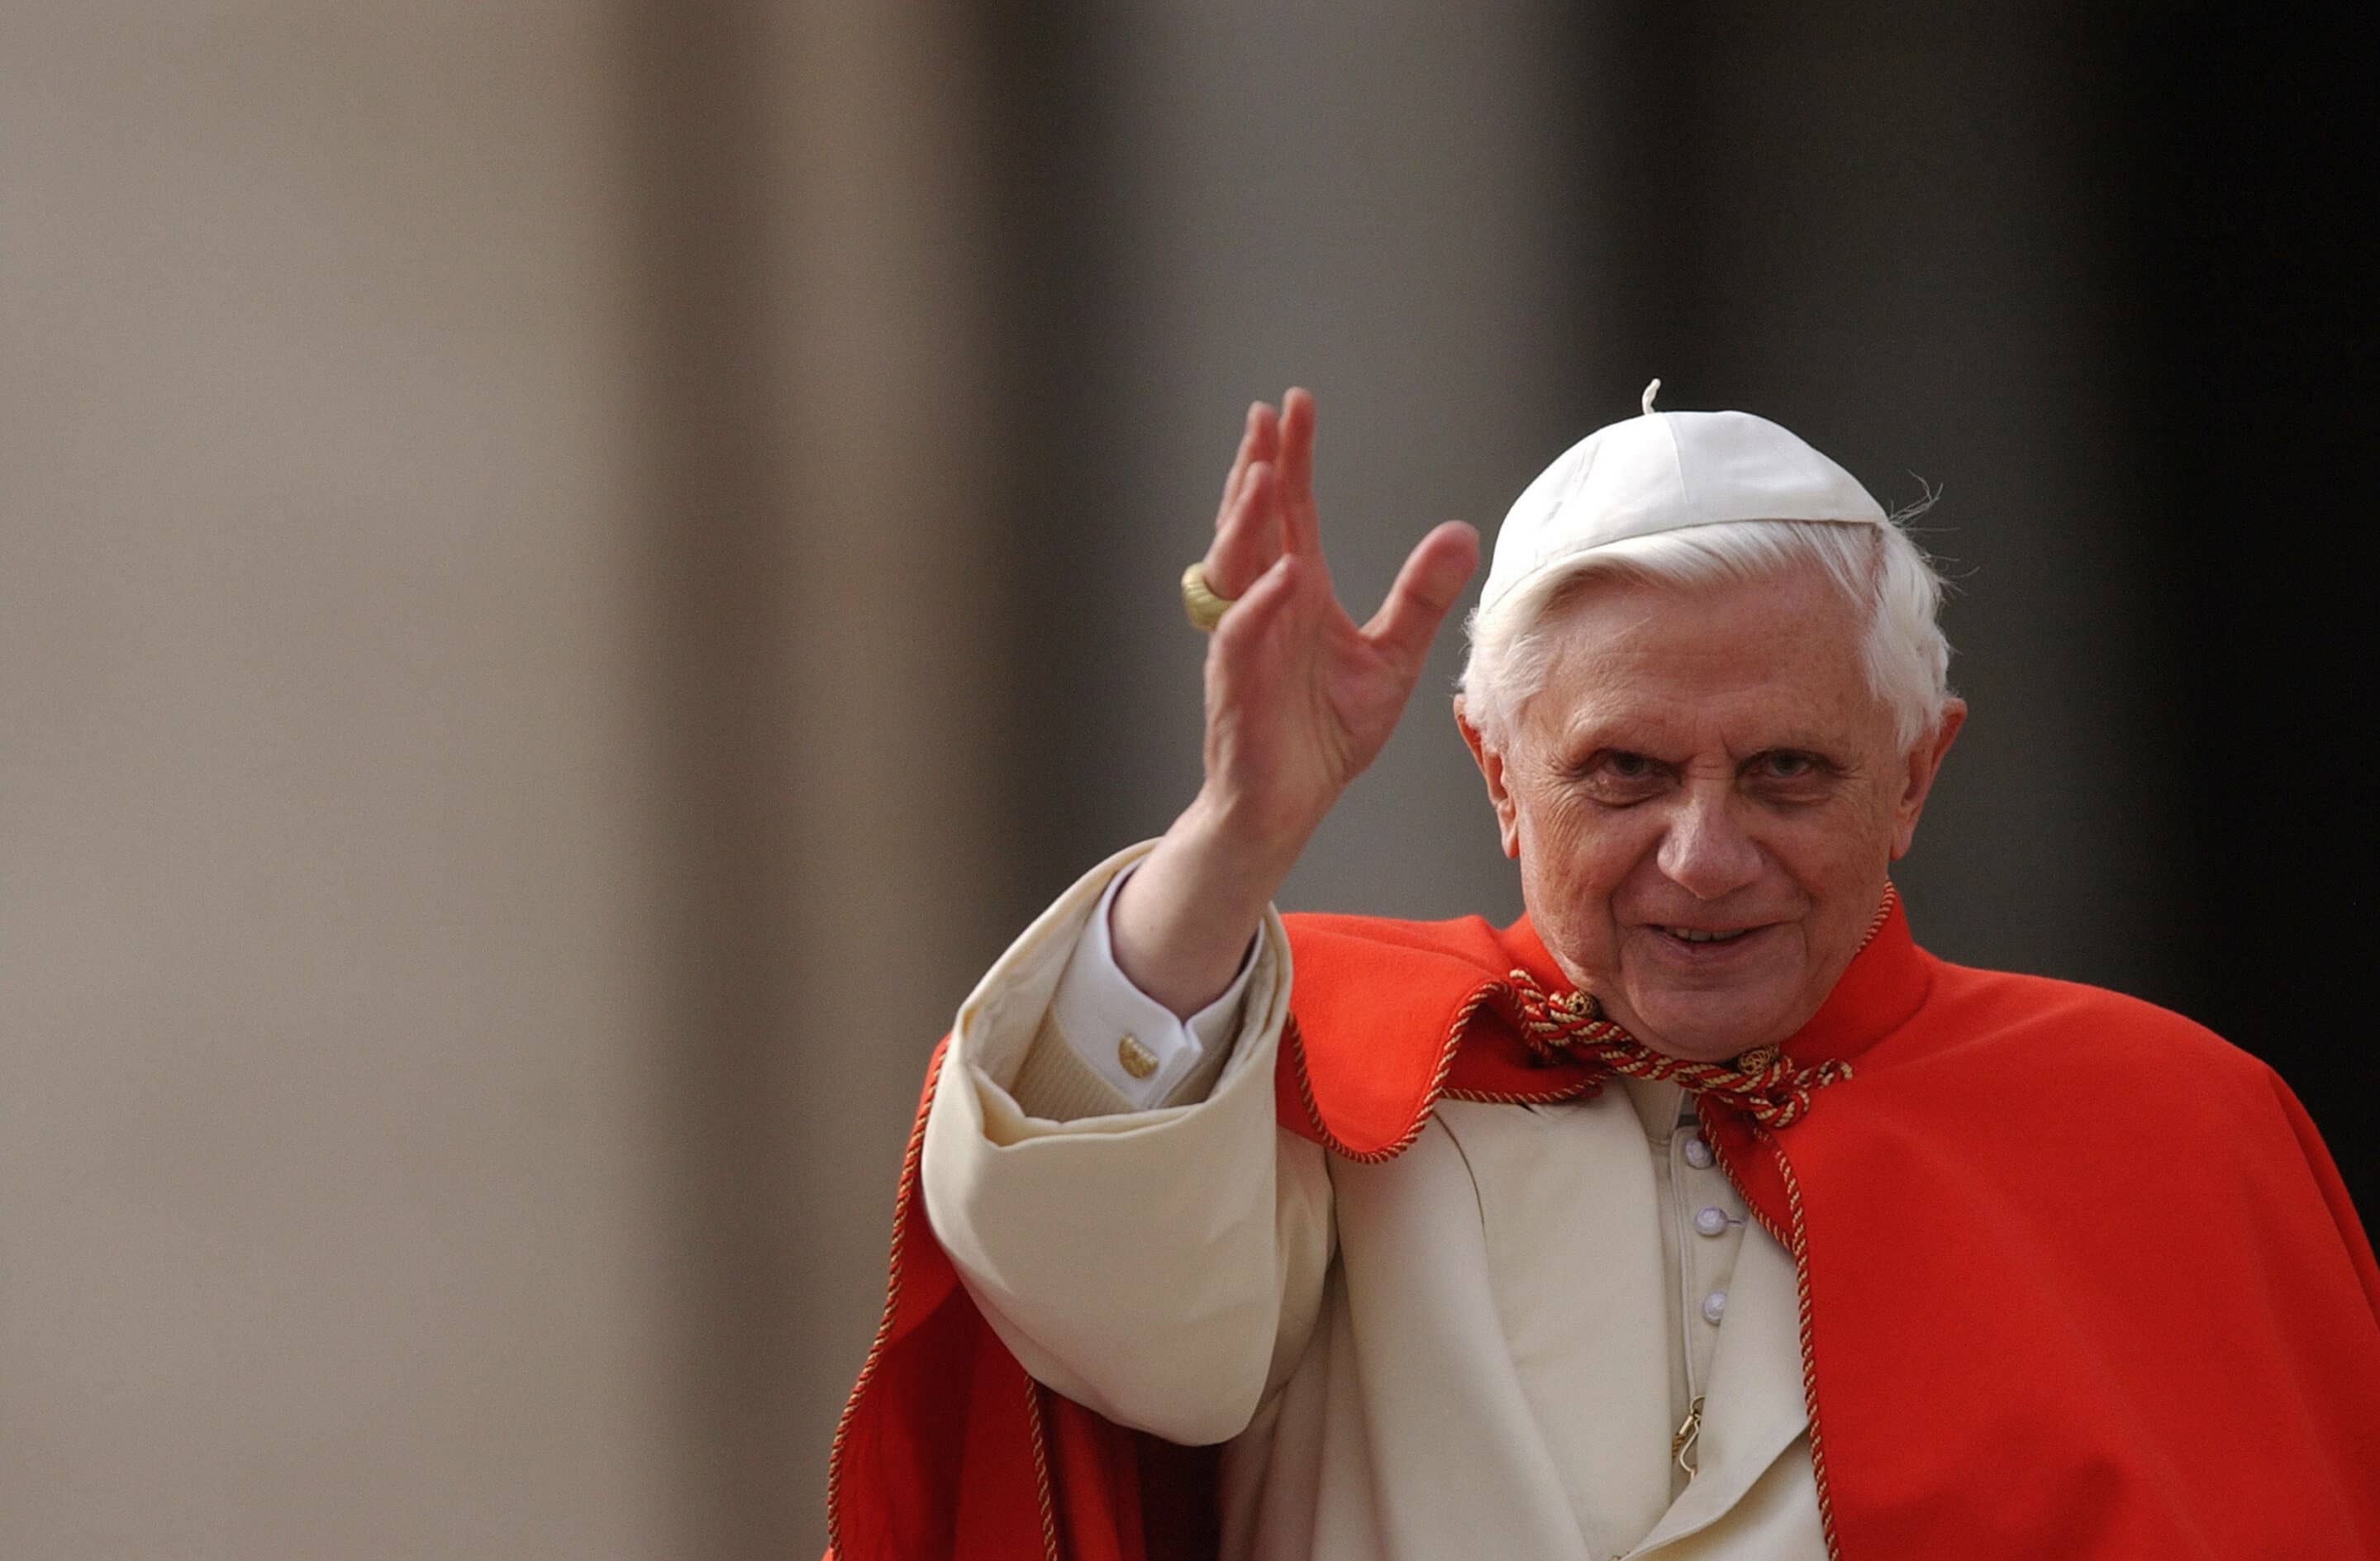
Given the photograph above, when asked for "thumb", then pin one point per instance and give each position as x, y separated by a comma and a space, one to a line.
1433, 576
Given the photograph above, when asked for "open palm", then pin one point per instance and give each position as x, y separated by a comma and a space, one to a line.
1299, 697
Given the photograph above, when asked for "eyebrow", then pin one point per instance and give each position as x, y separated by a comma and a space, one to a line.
1594, 735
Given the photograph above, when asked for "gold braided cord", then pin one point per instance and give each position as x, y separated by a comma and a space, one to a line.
912, 1164
912, 1160
1794, 1237
1294, 1039
1876, 923
1800, 1250
1763, 1083
1042, 1492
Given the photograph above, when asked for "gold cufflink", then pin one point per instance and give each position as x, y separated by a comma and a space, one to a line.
1137, 1059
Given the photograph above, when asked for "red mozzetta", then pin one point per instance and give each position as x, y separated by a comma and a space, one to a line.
2078, 1278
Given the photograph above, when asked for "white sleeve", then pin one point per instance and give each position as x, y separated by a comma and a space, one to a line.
1123, 1050
1162, 1266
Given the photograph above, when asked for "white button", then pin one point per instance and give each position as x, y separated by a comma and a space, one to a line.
1711, 1221
1698, 1154
1714, 1306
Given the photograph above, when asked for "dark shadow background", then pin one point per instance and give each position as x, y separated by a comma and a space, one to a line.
2239, 157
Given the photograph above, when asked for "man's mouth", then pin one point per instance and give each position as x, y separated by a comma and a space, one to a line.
1707, 935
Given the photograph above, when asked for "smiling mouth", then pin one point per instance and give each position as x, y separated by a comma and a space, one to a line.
1704, 935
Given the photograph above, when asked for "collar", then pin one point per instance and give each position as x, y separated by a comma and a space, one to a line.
1658, 1104
1884, 984
1389, 1018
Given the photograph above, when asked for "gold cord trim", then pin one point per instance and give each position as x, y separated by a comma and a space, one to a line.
1575, 1087
1041, 1470
911, 1158
1763, 1083
1883, 913
1292, 1037
1801, 1251
1795, 1240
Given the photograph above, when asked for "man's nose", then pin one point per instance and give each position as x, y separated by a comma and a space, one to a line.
1706, 852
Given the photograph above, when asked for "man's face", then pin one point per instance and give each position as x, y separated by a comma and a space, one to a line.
1703, 801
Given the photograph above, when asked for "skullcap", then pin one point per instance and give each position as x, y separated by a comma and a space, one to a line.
1667, 471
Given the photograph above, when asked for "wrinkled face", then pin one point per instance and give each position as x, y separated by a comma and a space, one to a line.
1703, 801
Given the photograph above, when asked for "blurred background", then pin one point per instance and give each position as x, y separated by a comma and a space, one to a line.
571, 573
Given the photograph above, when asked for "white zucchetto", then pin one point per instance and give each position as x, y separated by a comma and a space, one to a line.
1666, 471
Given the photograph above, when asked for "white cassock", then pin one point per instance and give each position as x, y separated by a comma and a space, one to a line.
1485, 1347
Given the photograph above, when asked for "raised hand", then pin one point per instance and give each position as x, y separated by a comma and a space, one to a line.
1299, 701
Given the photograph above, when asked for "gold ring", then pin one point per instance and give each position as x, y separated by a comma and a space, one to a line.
1199, 600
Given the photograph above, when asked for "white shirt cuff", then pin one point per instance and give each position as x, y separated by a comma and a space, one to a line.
1116, 1028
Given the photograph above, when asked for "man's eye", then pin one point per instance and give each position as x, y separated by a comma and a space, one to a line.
1788, 767
1618, 776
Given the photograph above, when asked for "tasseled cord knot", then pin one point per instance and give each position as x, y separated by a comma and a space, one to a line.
1569, 1027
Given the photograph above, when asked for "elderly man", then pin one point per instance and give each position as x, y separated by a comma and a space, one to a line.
1699, 1214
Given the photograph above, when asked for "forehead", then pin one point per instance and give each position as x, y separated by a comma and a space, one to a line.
1770, 662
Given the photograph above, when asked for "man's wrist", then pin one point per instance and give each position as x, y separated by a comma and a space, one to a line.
1180, 928
1235, 851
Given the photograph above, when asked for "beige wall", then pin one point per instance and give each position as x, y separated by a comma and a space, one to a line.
325, 1205
495, 799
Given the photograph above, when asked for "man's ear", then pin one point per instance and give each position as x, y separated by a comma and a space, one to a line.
1925, 764
1491, 769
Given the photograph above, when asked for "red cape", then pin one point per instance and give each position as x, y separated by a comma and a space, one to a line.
2078, 1278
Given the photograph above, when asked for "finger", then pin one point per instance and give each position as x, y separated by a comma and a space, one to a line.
1427, 587
1259, 607
1260, 440
1250, 537
1304, 527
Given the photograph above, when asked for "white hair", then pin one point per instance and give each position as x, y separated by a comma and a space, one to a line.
1879, 570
